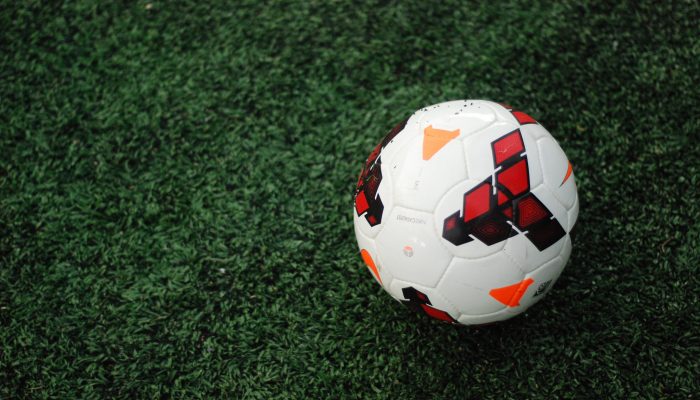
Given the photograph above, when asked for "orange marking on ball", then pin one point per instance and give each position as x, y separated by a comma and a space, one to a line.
367, 258
511, 295
569, 170
435, 139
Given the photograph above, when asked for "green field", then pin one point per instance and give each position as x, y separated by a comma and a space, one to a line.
176, 187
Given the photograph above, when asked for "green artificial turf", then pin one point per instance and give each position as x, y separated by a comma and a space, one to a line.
176, 210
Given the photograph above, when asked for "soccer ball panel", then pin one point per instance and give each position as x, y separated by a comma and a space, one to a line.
410, 249
502, 112
558, 172
528, 256
370, 257
468, 283
398, 142
537, 131
419, 183
533, 158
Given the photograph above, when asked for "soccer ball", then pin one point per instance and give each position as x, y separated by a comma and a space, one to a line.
463, 211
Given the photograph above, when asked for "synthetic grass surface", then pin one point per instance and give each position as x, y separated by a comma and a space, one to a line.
175, 198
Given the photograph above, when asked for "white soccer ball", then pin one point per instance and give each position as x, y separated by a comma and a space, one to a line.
463, 211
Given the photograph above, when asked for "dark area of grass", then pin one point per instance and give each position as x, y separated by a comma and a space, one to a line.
175, 198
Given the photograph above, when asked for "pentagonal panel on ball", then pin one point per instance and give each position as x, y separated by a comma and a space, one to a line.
468, 284
410, 248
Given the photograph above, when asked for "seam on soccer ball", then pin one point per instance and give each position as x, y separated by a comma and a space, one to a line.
476, 132
492, 105
454, 307
556, 200
401, 148
444, 272
517, 264
548, 262
491, 314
